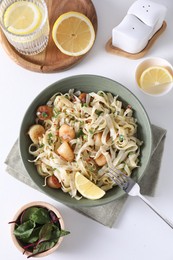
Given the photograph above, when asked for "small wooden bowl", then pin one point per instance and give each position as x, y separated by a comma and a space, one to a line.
43, 205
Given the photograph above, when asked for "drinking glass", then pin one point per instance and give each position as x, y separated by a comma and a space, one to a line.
27, 44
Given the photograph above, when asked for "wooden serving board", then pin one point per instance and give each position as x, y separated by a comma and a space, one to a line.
110, 48
51, 59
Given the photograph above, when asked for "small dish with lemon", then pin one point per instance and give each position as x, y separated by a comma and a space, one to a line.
154, 76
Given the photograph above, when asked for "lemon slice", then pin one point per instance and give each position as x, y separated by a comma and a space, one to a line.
22, 18
87, 188
73, 34
155, 76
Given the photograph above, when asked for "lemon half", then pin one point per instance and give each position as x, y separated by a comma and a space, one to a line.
73, 34
87, 188
22, 18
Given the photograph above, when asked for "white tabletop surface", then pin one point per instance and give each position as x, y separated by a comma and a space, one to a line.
138, 232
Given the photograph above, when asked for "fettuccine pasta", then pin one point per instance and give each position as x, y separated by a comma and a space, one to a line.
86, 133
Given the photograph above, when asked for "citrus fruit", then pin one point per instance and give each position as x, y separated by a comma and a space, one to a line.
73, 33
87, 188
154, 76
22, 18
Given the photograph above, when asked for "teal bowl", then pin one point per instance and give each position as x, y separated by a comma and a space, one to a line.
86, 83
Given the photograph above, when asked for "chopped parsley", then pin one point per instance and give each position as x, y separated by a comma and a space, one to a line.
84, 105
50, 138
56, 113
79, 133
98, 112
91, 131
44, 114
121, 138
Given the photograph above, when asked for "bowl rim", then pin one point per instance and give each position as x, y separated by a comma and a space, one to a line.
103, 200
39, 204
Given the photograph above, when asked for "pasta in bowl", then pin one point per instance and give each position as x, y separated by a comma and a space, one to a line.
84, 124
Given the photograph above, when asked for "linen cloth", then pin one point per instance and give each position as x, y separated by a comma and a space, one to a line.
105, 214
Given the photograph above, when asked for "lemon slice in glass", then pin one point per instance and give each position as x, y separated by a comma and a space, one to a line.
155, 76
73, 34
87, 188
22, 18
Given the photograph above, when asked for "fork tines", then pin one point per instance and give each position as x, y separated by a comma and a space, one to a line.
118, 177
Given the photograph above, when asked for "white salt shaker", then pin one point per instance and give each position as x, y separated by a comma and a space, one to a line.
144, 18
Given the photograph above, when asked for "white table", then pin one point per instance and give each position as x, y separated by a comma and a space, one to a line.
138, 233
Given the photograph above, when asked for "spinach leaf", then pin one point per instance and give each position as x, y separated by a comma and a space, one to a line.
44, 246
57, 233
45, 232
24, 230
33, 237
41, 216
64, 233
26, 215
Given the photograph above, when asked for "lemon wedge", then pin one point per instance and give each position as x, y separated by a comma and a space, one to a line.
155, 76
87, 188
73, 34
22, 18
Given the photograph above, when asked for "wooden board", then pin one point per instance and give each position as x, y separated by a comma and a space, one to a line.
110, 48
51, 59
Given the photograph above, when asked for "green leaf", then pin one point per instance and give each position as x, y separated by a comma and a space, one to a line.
41, 216
44, 246
45, 232
24, 230
57, 233
64, 233
28, 213
33, 237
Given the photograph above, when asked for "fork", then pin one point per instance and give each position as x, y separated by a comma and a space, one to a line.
132, 188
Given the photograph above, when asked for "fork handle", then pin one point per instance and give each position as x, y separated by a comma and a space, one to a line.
156, 211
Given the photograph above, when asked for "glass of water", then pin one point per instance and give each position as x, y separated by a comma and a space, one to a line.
25, 24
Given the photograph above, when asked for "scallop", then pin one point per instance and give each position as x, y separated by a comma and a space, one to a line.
35, 132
